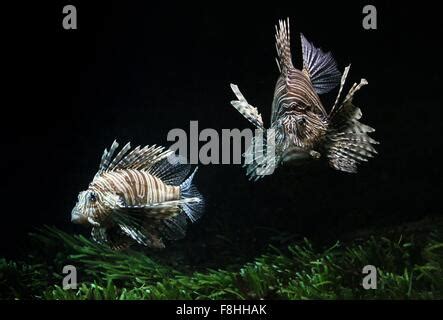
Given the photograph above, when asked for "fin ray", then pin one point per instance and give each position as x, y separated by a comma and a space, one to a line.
283, 46
138, 158
107, 157
321, 67
175, 227
342, 84
248, 111
171, 170
193, 204
257, 163
119, 156
347, 141
112, 237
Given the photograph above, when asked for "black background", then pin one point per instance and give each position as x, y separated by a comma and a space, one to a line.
135, 70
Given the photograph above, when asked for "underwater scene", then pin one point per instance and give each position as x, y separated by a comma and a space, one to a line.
225, 152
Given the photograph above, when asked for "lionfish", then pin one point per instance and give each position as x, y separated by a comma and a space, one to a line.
302, 129
142, 196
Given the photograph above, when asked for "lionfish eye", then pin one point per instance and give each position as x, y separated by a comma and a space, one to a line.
92, 197
302, 107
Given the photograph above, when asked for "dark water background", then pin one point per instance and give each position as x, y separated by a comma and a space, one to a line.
135, 70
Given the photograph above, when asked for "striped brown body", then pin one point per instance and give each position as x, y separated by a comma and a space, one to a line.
135, 187
298, 116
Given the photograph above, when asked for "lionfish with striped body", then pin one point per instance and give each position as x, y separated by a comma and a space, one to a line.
142, 196
302, 128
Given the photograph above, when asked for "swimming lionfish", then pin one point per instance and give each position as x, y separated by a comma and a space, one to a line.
302, 128
139, 197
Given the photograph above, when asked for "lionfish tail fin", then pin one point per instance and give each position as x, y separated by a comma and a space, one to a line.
248, 111
348, 142
283, 45
320, 66
193, 204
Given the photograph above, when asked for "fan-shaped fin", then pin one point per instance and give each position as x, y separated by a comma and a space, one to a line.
172, 170
320, 66
347, 141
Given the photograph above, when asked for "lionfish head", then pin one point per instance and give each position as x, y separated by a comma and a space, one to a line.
304, 128
86, 207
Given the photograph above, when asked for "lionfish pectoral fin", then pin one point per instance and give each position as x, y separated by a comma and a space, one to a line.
129, 222
260, 157
135, 233
152, 229
347, 140
342, 84
248, 111
99, 235
175, 228
146, 233
320, 66
134, 226
112, 237
155, 240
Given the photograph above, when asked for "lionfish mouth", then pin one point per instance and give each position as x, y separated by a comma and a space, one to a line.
295, 156
77, 217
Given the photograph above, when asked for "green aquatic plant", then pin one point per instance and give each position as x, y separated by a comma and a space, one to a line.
409, 266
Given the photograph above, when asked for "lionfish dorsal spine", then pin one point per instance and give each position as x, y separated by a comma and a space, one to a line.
137, 159
107, 157
119, 156
283, 46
